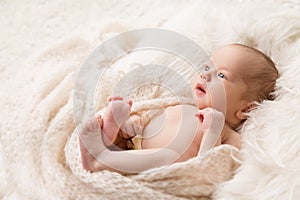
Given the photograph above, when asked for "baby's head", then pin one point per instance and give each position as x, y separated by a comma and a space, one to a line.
236, 79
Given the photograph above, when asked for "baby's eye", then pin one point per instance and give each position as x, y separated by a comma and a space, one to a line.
221, 75
206, 68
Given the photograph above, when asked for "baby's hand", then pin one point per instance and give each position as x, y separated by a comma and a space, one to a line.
212, 126
212, 119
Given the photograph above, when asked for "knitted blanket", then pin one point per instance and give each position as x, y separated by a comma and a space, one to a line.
44, 158
39, 155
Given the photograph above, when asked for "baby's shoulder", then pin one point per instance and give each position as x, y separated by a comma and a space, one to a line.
232, 138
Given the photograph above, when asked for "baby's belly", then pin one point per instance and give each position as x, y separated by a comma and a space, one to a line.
177, 128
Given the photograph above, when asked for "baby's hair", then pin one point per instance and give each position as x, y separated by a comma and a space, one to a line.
261, 82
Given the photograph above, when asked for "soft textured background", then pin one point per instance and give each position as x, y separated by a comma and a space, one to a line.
31, 28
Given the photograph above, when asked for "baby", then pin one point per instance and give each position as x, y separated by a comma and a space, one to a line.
228, 89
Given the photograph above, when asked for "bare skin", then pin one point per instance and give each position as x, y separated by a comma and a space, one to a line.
96, 157
110, 123
182, 136
109, 126
176, 143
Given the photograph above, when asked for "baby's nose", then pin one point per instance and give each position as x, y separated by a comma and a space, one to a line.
205, 76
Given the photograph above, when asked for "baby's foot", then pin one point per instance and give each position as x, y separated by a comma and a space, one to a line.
116, 114
132, 127
90, 143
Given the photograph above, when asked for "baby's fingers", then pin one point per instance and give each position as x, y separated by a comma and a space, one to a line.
200, 116
206, 120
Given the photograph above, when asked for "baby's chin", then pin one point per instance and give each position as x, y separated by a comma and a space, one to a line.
201, 104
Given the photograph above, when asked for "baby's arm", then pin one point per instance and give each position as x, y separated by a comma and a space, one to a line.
212, 126
216, 132
96, 157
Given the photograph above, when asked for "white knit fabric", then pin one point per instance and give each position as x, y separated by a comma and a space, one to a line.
39, 155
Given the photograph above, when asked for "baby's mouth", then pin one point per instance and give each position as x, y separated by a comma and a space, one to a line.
200, 88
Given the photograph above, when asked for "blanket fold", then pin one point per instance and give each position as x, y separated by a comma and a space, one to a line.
44, 156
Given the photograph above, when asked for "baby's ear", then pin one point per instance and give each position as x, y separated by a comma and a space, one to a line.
245, 109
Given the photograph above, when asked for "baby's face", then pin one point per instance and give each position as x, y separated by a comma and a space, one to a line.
221, 84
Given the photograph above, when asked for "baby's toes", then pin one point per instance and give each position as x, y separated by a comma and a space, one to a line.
120, 108
129, 103
92, 125
114, 98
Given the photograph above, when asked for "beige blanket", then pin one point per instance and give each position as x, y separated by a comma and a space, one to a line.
43, 159
39, 157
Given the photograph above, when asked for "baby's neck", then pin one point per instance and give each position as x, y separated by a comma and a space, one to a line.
233, 126
227, 130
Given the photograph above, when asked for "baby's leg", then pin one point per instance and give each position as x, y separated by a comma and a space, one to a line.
116, 114
132, 127
135, 161
96, 157
91, 144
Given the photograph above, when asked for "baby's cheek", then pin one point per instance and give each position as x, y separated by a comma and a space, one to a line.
218, 96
